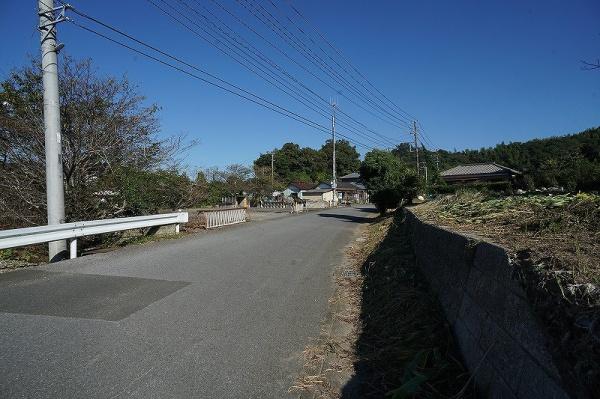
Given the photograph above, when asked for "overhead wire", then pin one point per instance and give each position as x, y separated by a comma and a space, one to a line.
244, 55
223, 84
261, 16
343, 57
293, 60
335, 70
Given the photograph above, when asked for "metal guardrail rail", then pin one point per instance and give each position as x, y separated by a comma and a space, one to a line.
71, 231
224, 217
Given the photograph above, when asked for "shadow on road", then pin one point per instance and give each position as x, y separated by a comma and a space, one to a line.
347, 218
370, 209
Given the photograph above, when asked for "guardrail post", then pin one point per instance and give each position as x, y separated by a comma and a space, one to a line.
177, 228
73, 248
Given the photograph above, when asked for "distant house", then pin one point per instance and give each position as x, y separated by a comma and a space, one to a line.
318, 197
479, 172
351, 192
297, 189
351, 189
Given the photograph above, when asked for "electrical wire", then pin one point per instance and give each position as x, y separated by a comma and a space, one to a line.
248, 95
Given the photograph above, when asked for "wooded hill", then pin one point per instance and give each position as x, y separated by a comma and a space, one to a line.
571, 161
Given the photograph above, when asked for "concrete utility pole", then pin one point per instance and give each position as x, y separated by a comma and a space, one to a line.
416, 146
272, 169
334, 182
55, 197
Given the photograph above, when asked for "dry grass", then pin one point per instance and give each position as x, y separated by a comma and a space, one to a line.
394, 341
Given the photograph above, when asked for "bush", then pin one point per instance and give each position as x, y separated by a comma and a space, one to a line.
391, 183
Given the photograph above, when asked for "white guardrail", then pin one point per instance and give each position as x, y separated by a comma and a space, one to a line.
70, 231
224, 217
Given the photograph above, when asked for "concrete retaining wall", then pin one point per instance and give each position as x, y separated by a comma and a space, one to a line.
500, 338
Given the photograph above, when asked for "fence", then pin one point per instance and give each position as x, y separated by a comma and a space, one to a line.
275, 205
224, 217
71, 231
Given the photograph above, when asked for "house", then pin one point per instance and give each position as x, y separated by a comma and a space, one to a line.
479, 172
296, 189
352, 192
318, 197
351, 189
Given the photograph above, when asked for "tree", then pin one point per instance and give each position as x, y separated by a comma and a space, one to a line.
347, 159
106, 125
293, 163
390, 182
570, 161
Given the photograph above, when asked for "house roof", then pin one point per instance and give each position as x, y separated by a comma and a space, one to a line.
347, 186
479, 169
353, 175
318, 191
302, 185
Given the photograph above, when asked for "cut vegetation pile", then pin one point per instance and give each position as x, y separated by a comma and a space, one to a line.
555, 244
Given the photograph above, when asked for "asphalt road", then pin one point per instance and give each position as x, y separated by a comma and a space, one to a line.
218, 315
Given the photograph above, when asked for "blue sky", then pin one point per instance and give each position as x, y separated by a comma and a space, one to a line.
474, 73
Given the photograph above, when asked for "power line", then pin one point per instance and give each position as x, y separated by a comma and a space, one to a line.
303, 67
282, 70
256, 63
222, 85
402, 118
339, 53
331, 71
281, 32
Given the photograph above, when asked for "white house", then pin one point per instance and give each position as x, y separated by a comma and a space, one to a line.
297, 189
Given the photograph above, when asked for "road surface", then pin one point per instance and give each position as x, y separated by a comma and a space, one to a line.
218, 315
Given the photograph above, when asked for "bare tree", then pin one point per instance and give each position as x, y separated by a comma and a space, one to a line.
106, 125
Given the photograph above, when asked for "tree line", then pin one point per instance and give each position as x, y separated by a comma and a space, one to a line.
114, 161
116, 164
571, 161
294, 163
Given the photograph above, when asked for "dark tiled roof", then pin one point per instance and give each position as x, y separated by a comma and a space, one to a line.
345, 186
478, 169
353, 175
302, 185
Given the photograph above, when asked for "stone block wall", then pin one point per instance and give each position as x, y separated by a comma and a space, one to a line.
501, 341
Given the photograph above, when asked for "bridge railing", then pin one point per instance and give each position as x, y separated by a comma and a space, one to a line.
224, 217
71, 231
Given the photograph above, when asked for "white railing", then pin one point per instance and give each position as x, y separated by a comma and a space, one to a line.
71, 231
224, 217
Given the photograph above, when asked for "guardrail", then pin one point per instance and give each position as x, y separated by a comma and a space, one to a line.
224, 217
71, 231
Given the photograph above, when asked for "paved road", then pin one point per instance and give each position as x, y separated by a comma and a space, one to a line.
219, 315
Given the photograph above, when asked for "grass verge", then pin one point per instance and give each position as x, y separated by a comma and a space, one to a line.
389, 337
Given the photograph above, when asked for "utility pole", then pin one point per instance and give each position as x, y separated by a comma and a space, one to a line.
416, 146
425, 169
334, 183
272, 169
55, 197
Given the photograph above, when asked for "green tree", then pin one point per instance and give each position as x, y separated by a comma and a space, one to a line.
390, 182
347, 159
